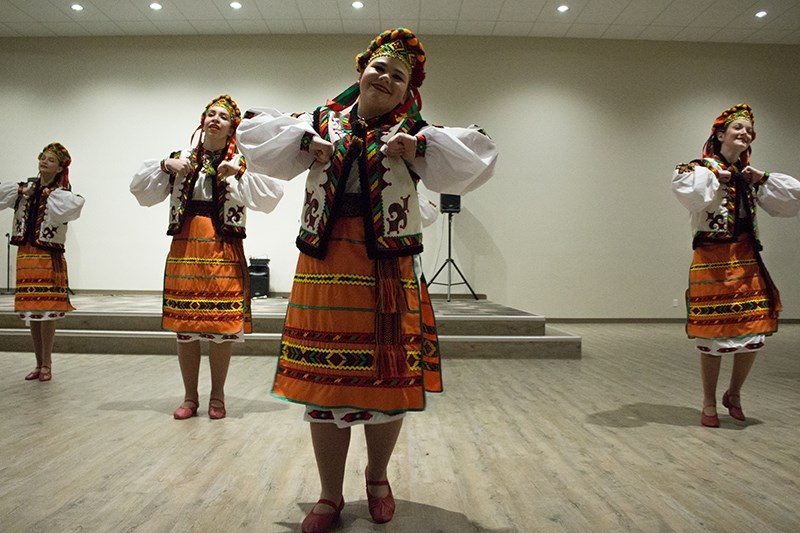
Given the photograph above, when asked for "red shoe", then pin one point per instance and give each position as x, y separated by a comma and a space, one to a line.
214, 412
322, 522
45, 374
380, 508
34, 374
183, 412
709, 421
734, 410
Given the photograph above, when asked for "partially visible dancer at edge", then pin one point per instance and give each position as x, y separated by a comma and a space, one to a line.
42, 208
206, 282
352, 346
732, 303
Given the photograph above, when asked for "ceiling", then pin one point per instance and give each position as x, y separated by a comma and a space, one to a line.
657, 20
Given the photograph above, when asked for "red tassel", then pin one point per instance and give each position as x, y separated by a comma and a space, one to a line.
390, 295
390, 306
389, 361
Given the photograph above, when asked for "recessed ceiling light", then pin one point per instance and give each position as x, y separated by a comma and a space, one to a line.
236, 5
761, 14
357, 5
155, 6
562, 9
77, 7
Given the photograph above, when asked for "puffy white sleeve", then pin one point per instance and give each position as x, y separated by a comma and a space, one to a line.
779, 195
427, 211
270, 141
150, 185
64, 205
695, 188
255, 191
8, 194
456, 160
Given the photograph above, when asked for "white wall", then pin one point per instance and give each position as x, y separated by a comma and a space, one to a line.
579, 221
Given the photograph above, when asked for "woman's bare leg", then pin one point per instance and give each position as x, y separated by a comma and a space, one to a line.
709, 369
330, 450
189, 361
381, 440
742, 364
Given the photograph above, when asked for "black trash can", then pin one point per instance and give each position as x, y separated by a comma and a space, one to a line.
259, 277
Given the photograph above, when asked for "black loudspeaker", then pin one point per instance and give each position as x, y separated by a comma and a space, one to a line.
450, 203
259, 277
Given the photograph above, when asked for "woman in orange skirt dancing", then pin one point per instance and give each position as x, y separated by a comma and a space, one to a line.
353, 346
42, 208
206, 289
732, 303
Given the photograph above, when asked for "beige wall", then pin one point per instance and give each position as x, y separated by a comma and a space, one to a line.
579, 221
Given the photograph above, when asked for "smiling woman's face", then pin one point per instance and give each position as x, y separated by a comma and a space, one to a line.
383, 86
737, 136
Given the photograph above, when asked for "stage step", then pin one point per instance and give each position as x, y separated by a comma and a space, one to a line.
528, 325
126, 324
552, 345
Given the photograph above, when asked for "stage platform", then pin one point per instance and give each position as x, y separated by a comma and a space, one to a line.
131, 323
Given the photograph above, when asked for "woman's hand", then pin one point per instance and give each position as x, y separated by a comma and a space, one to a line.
723, 176
401, 145
752, 175
227, 168
180, 167
321, 149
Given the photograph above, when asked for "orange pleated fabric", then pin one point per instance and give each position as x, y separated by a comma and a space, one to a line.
730, 292
330, 349
204, 286
41, 284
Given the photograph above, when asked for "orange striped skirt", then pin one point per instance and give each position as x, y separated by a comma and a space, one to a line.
332, 350
730, 292
204, 283
42, 286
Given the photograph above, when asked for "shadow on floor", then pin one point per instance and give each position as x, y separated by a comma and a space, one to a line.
641, 414
410, 516
236, 407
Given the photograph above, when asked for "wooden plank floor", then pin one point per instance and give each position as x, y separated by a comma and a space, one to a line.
608, 443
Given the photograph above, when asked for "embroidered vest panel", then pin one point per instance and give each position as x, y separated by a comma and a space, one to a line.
31, 208
393, 222
719, 223
229, 217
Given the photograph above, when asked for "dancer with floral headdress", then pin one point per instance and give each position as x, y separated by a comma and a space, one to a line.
352, 346
732, 303
42, 208
206, 289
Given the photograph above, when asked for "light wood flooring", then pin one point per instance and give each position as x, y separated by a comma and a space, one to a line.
608, 443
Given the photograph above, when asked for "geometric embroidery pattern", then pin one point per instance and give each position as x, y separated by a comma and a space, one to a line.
333, 359
346, 279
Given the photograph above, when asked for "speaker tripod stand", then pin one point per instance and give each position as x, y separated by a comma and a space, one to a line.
451, 264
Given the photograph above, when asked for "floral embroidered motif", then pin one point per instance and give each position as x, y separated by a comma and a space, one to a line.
312, 207
398, 215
